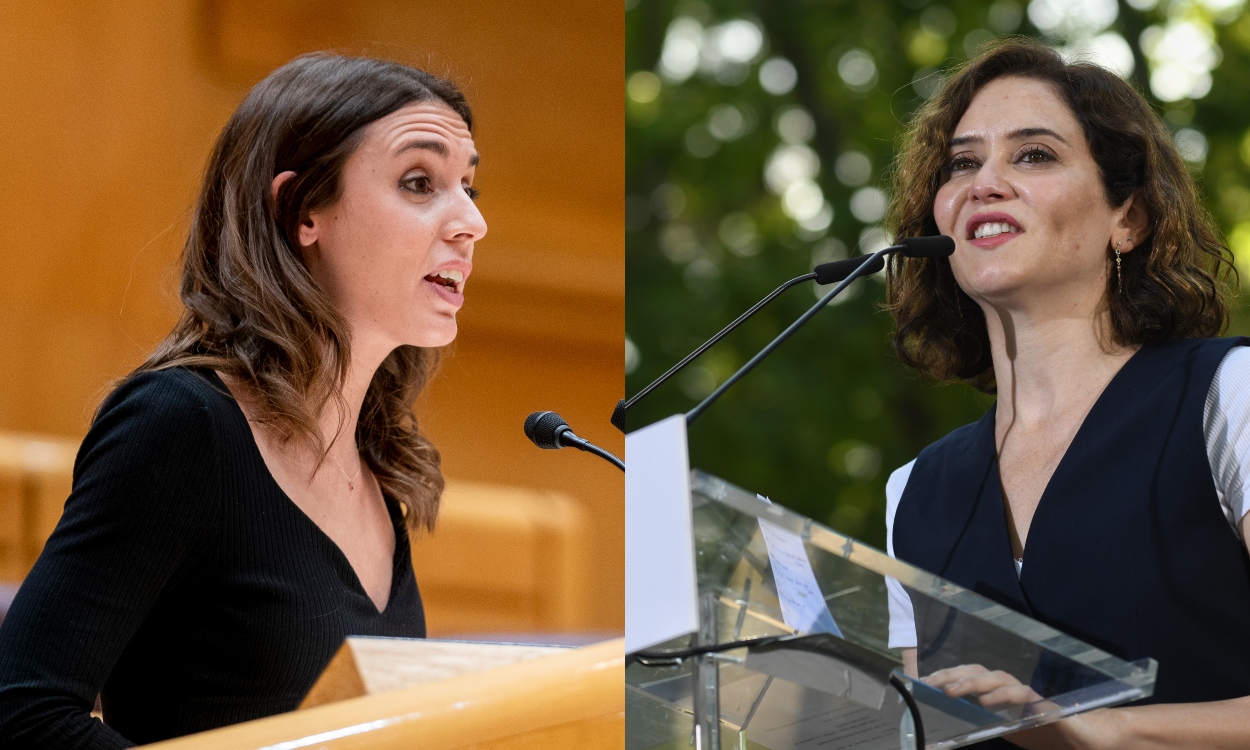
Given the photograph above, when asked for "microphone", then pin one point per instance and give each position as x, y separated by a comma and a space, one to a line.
823, 274
937, 246
835, 271
933, 246
548, 430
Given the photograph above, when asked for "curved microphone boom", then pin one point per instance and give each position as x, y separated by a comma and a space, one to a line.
548, 430
823, 274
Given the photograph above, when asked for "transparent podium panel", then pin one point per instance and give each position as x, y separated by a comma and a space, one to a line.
836, 679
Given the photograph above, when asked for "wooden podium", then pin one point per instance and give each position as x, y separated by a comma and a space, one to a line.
384, 694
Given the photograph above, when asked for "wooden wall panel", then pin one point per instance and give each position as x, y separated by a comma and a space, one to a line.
110, 109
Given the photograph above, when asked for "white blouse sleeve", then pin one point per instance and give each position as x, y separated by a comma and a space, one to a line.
902, 618
1226, 426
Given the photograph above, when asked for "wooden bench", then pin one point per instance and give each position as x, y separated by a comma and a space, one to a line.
36, 473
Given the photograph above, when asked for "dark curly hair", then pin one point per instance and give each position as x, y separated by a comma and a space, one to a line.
250, 307
1177, 284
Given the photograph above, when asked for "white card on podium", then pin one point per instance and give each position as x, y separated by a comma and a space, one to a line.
803, 607
660, 584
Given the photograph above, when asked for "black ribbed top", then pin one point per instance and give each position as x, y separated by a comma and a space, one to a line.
181, 583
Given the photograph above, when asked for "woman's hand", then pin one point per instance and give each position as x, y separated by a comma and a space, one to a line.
992, 687
1097, 730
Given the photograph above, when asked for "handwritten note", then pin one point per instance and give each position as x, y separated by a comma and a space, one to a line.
803, 606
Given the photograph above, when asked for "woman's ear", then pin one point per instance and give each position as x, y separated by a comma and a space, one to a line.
1134, 225
307, 227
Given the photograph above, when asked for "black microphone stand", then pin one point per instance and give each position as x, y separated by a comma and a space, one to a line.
825, 273
710, 342
875, 258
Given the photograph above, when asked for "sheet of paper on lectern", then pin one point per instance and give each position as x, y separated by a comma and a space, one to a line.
660, 583
803, 606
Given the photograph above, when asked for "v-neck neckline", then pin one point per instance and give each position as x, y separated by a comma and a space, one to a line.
317, 531
1092, 415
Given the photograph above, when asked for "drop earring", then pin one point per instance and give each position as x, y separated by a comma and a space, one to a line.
1119, 278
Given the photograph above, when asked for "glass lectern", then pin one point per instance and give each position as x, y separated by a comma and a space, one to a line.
841, 684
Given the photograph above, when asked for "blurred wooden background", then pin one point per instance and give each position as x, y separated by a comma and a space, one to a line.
108, 111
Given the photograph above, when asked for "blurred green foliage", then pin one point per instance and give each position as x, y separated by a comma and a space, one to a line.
717, 139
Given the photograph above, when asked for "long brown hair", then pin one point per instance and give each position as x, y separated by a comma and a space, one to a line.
250, 307
1177, 283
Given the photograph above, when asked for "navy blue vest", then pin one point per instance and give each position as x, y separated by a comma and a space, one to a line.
1128, 549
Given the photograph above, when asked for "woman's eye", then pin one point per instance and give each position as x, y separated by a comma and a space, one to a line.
472, 192
1036, 156
960, 164
419, 184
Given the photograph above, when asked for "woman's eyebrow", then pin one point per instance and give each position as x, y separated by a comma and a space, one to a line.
437, 147
1033, 132
1012, 136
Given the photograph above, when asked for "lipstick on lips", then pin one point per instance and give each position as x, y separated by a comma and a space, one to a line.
988, 230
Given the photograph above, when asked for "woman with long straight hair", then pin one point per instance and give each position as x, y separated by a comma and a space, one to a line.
243, 499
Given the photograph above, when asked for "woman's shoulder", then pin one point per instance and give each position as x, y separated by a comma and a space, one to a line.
155, 445
1226, 412
170, 393
956, 444
961, 441
1187, 352
958, 453
894, 487
163, 410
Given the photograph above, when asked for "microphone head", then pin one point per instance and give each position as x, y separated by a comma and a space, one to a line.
835, 271
936, 246
543, 428
618, 415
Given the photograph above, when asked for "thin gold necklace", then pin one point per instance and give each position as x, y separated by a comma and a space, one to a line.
351, 483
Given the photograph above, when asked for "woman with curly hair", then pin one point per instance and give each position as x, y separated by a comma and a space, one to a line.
243, 500
1105, 491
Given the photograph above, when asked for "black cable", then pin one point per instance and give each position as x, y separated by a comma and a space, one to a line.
674, 657
600, 452
901, 687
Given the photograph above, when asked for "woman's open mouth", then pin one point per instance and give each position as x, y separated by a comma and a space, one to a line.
992, 230
448, 285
